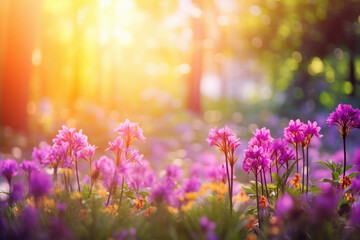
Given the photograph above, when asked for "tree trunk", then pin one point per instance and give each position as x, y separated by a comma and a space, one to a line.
20, 42
194, 96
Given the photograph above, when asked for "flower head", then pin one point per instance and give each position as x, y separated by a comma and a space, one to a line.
40, 184
116, 145
284, 204
9, 169
310, 130
130, 131
294, 133
41, 154
255, 159
29, 166
345, 118
260, 136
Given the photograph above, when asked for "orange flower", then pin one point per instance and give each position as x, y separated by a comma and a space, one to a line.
251, 223
149, 211
350, 197
345, 182
296, 180
263, 202
139, 204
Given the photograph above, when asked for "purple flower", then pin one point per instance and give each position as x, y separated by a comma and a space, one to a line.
40, 184
191, 185
173, 174
310, 130
28, 167
284, 204
106, 168
17, 193
355, 215
87, 152
217, 172
57, 157
9, 169
345, 118
130, 131
206, 225
294, 133
141, 176
161, 193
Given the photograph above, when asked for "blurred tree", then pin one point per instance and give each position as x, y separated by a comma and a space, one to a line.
302, 42
20, 42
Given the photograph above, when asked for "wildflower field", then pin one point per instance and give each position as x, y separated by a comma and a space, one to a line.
70, 189
179, 119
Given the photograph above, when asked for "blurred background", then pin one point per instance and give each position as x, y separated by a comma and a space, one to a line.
178, 67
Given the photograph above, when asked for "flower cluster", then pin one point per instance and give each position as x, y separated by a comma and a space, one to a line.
345, 118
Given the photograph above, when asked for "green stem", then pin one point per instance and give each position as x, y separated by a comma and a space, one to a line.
303, 173
344, 157
307, 169
257, 199
77, 175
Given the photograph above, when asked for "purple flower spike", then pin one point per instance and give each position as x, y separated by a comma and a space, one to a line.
9, 169
345, 118
40, 184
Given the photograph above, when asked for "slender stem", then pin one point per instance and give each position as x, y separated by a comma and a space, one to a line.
91, 186
267, 193
108, 200
297, 157
257, 199
270, 176
277, 187
303, 173
227, 170
307, 169
65, 183
231, 189
262, 184
122, 189
344, 157
55, 174
77, 175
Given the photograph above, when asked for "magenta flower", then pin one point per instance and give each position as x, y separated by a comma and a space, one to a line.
345, 118
29, 167
191, 185
135, 157
17, 193
106, 168
141, 176
116, 145
260, 136
223, 139
87, 152
173, 174
284, 204
294, 133
130, 131
40, 184
9, 169
41, 154
255, 159
310, 130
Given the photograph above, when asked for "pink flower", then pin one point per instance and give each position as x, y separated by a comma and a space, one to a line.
255, 159
134, 156
130, 131
294, 133
260, 136
224, 139
117, 144
310, 130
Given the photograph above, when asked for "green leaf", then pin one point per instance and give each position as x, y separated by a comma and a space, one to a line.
325, 164
85, 191
271, 186
352, 175
130, 194
276, 177
348, 167
339, 170
315, 190
335, 176
144, 194
248, 190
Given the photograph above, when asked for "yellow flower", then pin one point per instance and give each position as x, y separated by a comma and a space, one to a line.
296, 180
241, 197
75, 195
191, 195
172, 210
187, 206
